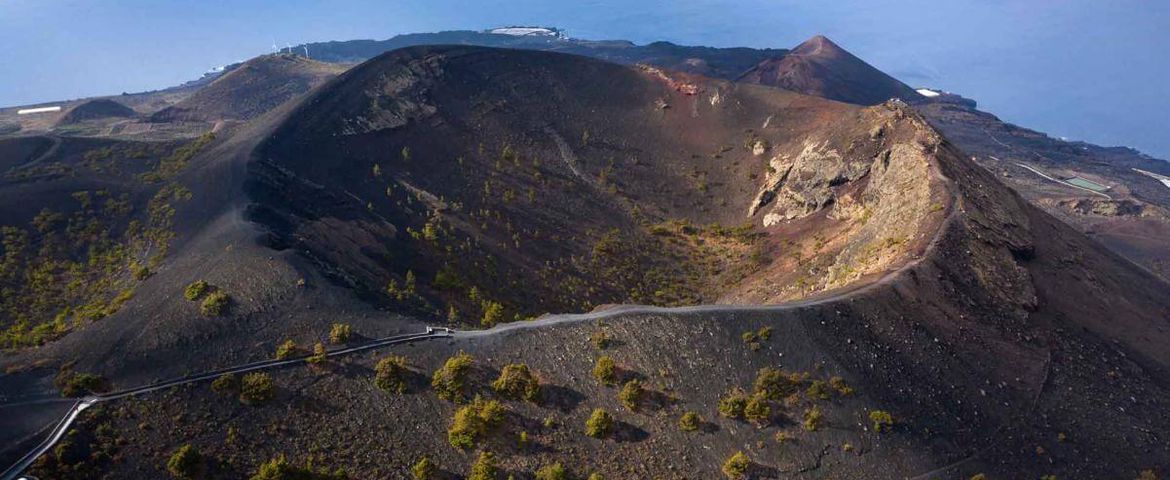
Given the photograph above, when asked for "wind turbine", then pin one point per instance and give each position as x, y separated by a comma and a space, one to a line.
306, 50
275, 49
289, 48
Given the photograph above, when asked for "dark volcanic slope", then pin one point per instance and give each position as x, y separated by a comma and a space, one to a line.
999, 340
251, 89
547, 182
95, 109
820, 67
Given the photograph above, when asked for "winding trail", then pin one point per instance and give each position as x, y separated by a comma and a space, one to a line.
13, 472
61, 428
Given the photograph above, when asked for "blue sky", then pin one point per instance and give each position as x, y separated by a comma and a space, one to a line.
1085, 69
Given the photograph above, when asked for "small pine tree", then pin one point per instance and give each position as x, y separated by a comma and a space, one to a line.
256, 388
425, 469
485, 468
340, 333
518, 383
605, 370
813, 417
736, 466
732, 404
319, 353
689, 421
555, 471
286, 350
758, 410
600, 424
632, 394
390, 374
882, 420
185, 463
450, 381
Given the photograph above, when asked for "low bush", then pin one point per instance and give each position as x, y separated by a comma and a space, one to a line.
474, 421
758, 409
185, 463
226, 383
340, 333
425, 469
196, 289
518, 383
215, 304
390, 374
736, 466
600, 424
813, 418
256, 388
75, 384
450, 381
605, 370
689, 421
485, 468
882, 420
732, 404
555, 471
632, 394
287, 349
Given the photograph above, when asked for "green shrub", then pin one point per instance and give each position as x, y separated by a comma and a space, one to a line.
450, 381
215, 304
74, 384
600, 339
492, 313
287, 349
689, 421
736, 466
425, 469
764, 333
632, 394
185, 463
596, 476
605, 370
340, 333
226, 383
473, 421
813, 418
839, 385
279, 469
882, 420
555, 471
485, 468
776, 384
758, 409
256, 388
732, 404
817, 390
517, 383
600, 424
319, 353
390, 374
196, 289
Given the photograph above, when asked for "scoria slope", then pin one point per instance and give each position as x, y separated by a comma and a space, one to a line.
479, 185
993, 338
820, 67
251, 89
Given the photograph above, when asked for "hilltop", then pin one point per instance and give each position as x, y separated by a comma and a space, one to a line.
503, 184
822, 68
